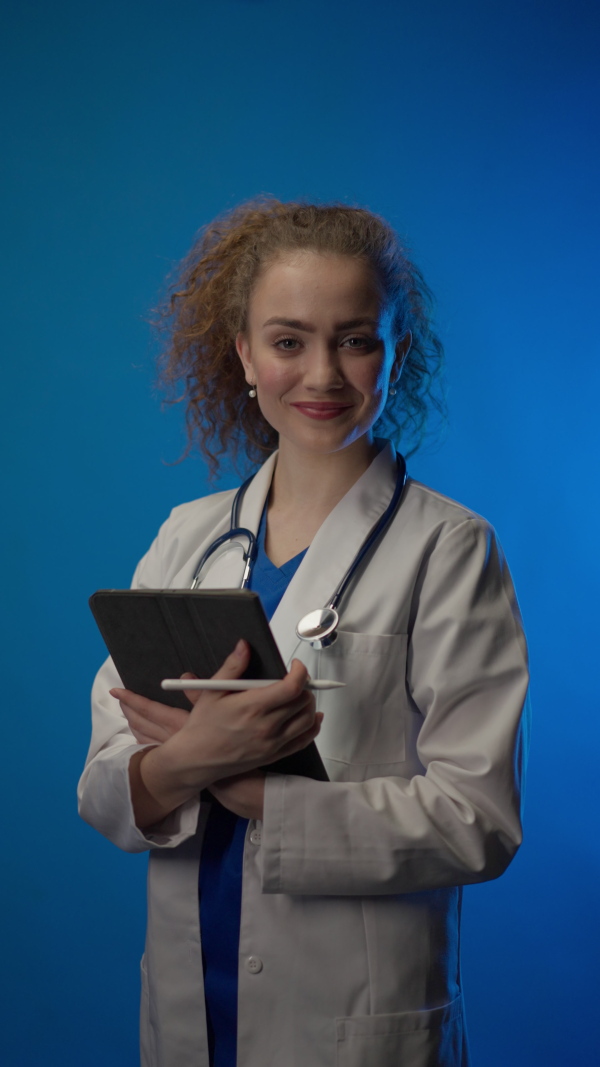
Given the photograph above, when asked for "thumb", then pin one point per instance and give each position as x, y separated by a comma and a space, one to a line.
232, 667
236, 662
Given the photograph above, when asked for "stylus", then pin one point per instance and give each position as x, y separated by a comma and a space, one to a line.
239, 685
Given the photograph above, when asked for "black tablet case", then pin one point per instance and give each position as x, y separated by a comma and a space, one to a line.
153, 634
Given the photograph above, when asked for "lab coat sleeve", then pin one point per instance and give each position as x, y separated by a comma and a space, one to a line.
104, 796
459, 821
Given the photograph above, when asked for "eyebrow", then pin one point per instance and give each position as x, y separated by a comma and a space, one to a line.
297, 324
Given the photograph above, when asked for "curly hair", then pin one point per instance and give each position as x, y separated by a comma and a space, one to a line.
208, 306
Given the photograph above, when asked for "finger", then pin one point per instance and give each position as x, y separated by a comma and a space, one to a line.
139, 729
298, 743
284, 724
297, 724
286, 713
295, 680
268, 710
232, 667
236, 662
192, 694
299, 669
172, 719
139, 725
142, 739
283, 693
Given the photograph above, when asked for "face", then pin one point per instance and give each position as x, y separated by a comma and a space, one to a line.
320, 351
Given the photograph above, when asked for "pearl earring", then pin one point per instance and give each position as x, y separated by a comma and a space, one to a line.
252, 391
392, 390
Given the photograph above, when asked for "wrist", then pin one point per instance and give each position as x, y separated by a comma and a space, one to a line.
165, 779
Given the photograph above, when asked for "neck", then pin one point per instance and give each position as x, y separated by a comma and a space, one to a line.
314, 482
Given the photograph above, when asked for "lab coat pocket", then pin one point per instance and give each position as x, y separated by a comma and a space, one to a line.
411, 1039
365, 722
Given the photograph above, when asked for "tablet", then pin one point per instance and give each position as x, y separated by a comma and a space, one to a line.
153, 634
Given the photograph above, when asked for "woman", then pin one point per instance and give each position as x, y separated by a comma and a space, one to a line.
329, 910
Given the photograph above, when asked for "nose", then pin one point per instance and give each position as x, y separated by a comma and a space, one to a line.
322, 369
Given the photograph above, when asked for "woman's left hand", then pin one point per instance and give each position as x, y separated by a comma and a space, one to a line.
243, 794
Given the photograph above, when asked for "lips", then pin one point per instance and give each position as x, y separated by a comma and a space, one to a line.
321, 410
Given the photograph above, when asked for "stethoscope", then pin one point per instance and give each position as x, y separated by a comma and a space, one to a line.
319, 627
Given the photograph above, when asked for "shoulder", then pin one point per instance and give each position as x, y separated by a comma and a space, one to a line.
441, 541
196, 519
457, 554
180, 537
428, 513
203, 511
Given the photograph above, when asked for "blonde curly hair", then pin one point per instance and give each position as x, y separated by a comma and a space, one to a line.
208, 304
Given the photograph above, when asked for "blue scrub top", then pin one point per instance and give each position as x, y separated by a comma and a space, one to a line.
220, 882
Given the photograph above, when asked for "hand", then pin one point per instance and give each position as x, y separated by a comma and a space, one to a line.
224, 735
244, 794
150, 722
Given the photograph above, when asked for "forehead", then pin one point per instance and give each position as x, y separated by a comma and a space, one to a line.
308, 284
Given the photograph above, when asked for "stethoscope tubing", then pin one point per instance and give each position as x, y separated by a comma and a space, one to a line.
373, 534
249, 554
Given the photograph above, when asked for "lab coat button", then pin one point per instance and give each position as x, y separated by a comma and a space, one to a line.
255, 837
254, 965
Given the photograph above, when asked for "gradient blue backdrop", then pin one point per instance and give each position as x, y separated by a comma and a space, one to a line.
472, 125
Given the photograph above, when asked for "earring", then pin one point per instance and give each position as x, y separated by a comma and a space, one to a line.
252, 392
392, 390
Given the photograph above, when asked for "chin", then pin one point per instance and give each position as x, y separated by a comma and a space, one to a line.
325, 441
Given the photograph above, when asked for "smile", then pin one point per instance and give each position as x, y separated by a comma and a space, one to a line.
323, 410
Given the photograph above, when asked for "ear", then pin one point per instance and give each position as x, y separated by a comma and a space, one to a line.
243, 350
402, 350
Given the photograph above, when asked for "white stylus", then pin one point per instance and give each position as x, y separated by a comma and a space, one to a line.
239, 685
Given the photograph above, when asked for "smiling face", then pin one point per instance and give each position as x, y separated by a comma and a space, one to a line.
319, 348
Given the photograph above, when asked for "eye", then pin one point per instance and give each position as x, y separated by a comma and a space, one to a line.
357, 343
287, 344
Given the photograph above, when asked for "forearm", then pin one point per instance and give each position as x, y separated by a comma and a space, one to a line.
383, 836
105, 802
155, 788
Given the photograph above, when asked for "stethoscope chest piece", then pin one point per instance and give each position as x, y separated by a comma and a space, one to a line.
319, 627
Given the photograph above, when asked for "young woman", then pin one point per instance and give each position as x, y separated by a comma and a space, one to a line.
328, 926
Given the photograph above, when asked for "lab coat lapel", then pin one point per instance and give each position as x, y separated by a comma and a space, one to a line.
334, 549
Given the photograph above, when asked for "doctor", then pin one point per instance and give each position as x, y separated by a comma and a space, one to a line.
329, 911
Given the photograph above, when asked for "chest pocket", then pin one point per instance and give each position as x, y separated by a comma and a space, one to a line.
364, 723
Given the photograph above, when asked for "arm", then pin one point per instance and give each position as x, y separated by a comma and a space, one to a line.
104, 790
459, 821
141, 788
223, 735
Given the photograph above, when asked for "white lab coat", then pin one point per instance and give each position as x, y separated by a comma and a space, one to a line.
349, 951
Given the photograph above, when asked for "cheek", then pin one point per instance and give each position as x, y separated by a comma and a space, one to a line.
275, 379
372, 379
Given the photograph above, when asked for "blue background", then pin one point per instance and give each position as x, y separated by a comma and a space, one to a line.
471, 125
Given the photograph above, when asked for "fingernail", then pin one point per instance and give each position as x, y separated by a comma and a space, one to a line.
239, 649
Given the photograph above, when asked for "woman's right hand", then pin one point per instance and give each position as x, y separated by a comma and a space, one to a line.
223, 735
